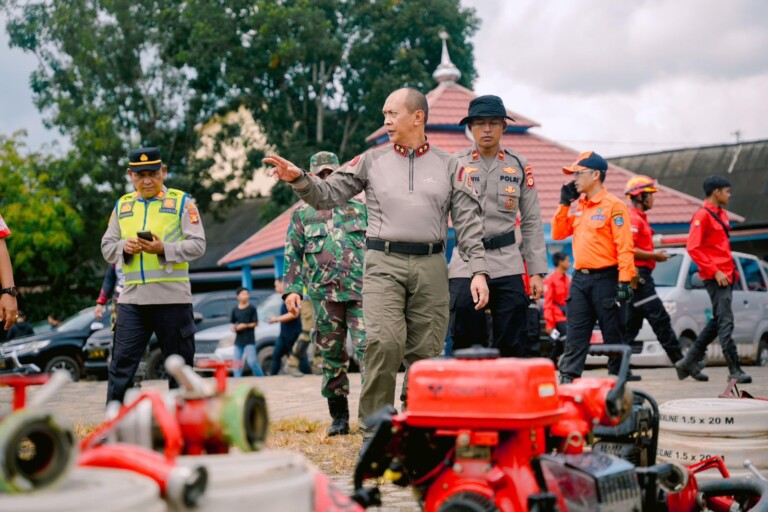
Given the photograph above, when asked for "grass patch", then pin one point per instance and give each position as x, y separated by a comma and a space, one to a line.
334, 456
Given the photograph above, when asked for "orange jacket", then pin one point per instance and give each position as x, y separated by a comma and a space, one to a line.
601, 233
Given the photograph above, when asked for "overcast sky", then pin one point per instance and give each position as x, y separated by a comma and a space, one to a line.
619, 77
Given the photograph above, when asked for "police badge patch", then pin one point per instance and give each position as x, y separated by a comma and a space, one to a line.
126, 210
168, 206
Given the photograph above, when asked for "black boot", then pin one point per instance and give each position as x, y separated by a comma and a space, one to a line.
734, 370
689, 366
339, 409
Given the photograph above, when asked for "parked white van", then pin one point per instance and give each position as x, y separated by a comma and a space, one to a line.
687, 302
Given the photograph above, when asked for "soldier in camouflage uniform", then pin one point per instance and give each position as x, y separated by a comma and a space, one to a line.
324, 251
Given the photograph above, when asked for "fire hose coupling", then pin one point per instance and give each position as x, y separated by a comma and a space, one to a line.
36, 451
181, 485
191, 382
244, 418
36, 448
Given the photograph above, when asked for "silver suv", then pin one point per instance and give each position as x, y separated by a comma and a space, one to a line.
687, 302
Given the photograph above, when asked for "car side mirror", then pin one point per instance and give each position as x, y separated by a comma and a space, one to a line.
96, 326
197, 316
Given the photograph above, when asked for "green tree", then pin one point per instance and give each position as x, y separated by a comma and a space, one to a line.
116, 74
47, 231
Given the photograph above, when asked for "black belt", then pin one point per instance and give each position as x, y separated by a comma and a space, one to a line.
499, 241
404, 247
597, 270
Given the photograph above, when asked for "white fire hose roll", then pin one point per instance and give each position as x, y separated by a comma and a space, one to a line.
690, 449
715, 417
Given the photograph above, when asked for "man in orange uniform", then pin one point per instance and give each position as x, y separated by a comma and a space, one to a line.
709, 246
556, 287
604, 261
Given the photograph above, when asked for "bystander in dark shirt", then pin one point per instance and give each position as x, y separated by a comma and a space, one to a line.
289, 331
246, 315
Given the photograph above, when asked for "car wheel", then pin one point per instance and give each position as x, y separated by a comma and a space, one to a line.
65, 363
265, 358
762, 352
156, 366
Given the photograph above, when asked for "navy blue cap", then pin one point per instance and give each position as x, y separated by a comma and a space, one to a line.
587, 160
485, 106
144, 159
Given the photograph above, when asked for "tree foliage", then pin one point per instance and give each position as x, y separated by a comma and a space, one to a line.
116, 74
47, 231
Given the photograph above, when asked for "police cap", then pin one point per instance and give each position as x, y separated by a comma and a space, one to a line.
144, 159
323, 160
485, 106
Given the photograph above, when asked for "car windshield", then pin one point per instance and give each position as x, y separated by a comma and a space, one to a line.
77, 322
666, 272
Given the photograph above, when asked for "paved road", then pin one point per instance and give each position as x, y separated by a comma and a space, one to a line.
288, 397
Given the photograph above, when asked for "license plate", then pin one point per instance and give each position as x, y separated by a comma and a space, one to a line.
97, 354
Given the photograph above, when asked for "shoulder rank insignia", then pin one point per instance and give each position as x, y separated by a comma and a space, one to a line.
475, 155
422, 150
194, 215
501, 155
169, 205
529, 181
126, 210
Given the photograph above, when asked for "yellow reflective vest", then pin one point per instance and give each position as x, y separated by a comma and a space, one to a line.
160, 215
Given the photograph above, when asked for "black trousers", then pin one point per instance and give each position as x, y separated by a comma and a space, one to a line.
721, 324
646, 304
592, 298
509, 310
175, 329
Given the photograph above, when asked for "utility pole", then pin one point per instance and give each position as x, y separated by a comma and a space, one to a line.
737, 134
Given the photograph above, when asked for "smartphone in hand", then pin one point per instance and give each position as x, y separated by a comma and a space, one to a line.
145, 235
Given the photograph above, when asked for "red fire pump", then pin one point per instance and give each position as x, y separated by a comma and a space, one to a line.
488, 434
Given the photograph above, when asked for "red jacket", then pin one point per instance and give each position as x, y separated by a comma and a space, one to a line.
556, 287
708, 242
642, 235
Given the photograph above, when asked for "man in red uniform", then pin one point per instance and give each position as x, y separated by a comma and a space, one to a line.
556, 289
646, 303
604, 260
9, 311
709, 246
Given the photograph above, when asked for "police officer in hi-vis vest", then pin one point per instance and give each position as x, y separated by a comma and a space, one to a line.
153, 234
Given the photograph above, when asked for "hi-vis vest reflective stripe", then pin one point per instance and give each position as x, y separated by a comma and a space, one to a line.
161, 215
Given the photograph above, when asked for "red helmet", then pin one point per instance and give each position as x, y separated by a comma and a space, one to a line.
641, 184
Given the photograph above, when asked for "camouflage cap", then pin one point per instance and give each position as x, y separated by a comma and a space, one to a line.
323, 160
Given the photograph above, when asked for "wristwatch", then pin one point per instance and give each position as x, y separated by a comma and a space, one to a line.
12, 291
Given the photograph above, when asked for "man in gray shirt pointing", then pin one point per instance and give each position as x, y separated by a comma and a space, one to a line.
411, 188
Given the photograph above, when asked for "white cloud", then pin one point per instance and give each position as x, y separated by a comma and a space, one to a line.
628, 77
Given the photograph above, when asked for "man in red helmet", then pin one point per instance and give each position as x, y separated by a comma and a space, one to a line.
646, 303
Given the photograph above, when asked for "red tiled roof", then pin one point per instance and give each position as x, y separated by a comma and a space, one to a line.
268, 238
448, 104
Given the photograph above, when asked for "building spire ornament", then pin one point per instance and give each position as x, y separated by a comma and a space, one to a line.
446, 72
